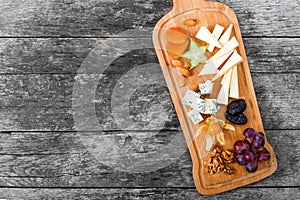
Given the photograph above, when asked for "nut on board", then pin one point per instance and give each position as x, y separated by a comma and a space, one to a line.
190, 22
218, 160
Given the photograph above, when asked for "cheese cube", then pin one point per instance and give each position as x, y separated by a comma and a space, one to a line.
190, 97
206, 87
199, 105
195, 116
210, 106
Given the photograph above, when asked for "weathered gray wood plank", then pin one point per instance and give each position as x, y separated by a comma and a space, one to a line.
146, 194
37, 101
60, 159
44, 102
57, 56
108, 17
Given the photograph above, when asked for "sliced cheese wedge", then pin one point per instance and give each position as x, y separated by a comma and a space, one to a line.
225, 77
205, 35
234, 84
217, 32
212, 66
234, 59
224, 91
225, 37
229, 46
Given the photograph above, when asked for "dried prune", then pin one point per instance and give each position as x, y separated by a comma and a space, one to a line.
237, 107
240, 118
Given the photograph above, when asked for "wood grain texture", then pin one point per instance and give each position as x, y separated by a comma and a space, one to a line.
65, 56
145, 194
38, 101
60, 159
44, 102
108, 17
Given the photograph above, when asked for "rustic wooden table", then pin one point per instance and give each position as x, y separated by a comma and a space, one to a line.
42, 47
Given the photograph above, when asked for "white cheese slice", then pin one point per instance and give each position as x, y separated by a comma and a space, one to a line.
234, 84
199, 105
224, 91
212, 66
205, 35
226, 76
229, 46
195, 116
218, 30
234, 59
190, 97
225, 37
209, 68
206, 87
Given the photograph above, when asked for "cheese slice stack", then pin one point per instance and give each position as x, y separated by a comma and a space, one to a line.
227, 54
234, 59
218, 30
229, 46
212, 66
205, 35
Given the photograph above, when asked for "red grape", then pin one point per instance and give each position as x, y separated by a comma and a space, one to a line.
241, 146
260, 134
264, 155
241, 159
259, 141
251, 149
249, 134
250, 156
252, 166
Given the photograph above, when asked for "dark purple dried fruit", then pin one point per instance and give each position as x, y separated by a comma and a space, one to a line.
236, 107
240, 118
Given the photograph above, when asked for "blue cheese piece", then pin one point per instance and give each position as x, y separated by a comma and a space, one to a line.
195, 116
206, 87
210, 106
199, 105
189, 97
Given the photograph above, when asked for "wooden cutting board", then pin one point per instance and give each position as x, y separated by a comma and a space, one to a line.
208, 14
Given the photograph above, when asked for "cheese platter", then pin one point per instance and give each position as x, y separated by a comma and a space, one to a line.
200, 43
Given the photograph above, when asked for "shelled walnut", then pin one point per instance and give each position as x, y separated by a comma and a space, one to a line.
218, 160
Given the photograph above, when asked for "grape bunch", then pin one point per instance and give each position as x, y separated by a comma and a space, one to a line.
251, 149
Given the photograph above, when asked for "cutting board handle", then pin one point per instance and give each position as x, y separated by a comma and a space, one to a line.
183, 5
